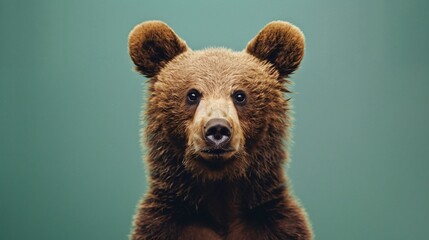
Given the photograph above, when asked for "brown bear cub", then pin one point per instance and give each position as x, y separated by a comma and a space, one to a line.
216, 124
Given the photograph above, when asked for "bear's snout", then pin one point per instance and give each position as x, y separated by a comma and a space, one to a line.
217, 133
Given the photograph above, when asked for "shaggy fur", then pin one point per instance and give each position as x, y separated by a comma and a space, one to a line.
152, 45
243, 195
281, 44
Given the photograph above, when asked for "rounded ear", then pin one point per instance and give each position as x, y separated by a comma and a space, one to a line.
152, 44
281, 44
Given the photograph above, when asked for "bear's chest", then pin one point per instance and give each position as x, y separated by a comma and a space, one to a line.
219, 208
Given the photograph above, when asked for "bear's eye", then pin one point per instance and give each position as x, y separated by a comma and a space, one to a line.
193, 96
239, 97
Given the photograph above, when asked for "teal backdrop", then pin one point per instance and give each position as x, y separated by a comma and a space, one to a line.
71, 163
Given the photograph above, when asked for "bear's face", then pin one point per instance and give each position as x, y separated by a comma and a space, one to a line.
218, 103
213, 108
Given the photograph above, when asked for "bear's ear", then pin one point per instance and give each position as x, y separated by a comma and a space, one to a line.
152, 44
281, 44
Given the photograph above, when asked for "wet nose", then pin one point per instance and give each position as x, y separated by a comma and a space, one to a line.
217, 132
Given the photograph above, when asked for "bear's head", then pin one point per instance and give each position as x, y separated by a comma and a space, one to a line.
213, 113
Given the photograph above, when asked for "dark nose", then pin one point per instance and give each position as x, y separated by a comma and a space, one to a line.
217, 132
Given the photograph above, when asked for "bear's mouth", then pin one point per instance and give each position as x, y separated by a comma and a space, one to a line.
216, 159
217, 151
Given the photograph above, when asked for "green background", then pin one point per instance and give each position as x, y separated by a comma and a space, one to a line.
69, 112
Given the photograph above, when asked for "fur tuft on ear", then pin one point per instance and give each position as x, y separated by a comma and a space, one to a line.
152, 44
281, 44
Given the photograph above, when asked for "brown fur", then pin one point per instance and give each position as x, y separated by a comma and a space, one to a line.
151, 45
281, 44
244, 195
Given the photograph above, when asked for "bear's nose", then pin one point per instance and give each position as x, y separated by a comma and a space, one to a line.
217, 132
